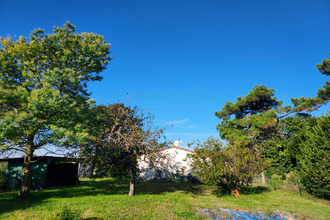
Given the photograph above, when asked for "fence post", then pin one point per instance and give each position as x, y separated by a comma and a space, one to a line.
299, 185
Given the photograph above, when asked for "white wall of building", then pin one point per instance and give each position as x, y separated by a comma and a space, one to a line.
172, 160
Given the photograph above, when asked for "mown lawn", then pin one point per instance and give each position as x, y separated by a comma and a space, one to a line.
107, 199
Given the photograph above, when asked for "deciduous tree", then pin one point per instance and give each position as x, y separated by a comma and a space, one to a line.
123, 133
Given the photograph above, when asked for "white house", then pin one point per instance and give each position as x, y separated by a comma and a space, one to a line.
169, 161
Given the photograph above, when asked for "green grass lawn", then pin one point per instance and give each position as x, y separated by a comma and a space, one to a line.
107, 199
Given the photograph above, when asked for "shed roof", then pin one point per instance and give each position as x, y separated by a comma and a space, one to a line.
38, 158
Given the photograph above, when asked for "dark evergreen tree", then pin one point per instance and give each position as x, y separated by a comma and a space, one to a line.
251, 120
314, 156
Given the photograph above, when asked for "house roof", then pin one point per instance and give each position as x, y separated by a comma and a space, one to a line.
176, 147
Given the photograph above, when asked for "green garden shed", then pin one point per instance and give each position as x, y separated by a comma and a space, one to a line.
46, 172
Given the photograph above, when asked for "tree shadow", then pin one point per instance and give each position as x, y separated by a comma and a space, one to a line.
254, 190
10, 201
161, 188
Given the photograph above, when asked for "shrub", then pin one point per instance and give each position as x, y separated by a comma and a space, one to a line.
227, 167
68, 213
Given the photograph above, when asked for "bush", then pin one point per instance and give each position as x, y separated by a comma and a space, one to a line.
68, 213
227, 167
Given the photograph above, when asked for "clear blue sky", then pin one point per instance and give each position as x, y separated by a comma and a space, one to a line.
183, 59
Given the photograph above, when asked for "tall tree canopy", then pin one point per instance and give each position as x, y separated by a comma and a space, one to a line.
324, 68
252, 119
43, 89
250, 122
323, 95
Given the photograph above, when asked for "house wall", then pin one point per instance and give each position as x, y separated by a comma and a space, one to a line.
175, 161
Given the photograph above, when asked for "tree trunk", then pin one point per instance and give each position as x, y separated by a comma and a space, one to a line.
26, 173
131, 171
263, 178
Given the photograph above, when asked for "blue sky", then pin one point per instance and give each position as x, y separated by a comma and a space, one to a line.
182, 60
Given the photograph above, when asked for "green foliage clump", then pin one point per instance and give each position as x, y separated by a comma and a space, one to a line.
283, 149
314, 157
227, 167
69, 213
302, 151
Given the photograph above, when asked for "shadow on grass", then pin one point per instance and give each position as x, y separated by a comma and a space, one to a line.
10, 201
254, 190
243, 191
161, 188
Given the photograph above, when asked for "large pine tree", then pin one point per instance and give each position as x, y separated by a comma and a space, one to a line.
251, 119
43, 89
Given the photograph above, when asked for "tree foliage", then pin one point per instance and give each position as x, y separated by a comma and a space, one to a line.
323, 95
259, 122
227, 167
283, 149
43, 89
324, 68
251, 119
123, 133
314, 156
304, 147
